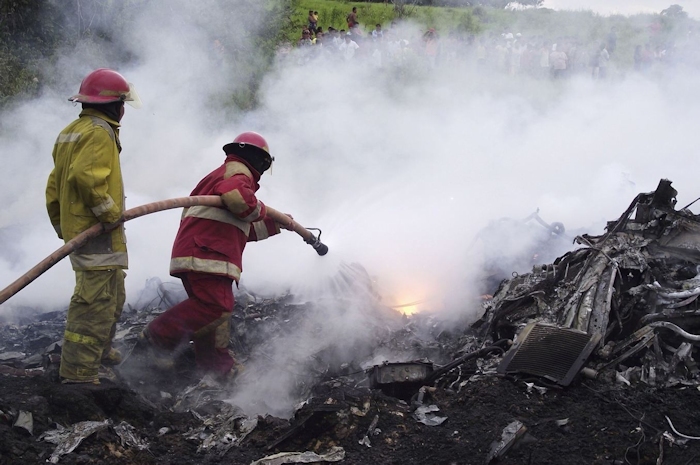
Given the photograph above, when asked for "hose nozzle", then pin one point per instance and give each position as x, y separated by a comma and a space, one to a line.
315, 242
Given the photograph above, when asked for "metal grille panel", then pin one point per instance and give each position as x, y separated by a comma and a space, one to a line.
550, 352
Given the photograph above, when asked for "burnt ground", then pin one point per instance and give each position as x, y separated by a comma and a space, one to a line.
602, 425
641, 286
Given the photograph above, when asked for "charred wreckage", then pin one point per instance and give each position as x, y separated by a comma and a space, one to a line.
618, 313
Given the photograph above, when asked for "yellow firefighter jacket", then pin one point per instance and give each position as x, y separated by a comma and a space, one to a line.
86, 187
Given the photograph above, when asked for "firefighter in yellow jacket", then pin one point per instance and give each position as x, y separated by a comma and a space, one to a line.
86, 188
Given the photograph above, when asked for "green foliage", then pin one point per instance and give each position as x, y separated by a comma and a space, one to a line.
23, 40
403, 9
429, 17
246, 59
278, 15
15, 78
34, 32
674, 12
468, 24
460, 3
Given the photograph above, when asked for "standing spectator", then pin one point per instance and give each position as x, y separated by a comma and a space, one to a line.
526, 59
349, 47
572, 56
544, 59
319, 39
516, 51
313, 21
583, 58
603, 59
638, 58
377, 32
501, 54
86, 188
357, 33
352, 18
594, 63
647, 57
318, 32
394, 47
219, 51
305, 39
557, 60
337, 38
377, 54
432, 47
481, 53
612, 40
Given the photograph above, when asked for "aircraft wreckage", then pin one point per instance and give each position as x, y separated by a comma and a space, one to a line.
589, 359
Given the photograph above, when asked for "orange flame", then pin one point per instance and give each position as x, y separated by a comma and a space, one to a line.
408, 308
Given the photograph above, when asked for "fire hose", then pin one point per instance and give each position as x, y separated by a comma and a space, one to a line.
180, 202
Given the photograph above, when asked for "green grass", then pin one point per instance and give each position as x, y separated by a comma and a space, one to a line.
334, 12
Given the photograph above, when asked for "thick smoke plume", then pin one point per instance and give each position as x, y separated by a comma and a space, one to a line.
403, 167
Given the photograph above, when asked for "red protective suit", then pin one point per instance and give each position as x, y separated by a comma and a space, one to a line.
207, 256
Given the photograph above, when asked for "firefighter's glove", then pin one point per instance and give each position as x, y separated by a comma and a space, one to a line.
106, 227
288, 225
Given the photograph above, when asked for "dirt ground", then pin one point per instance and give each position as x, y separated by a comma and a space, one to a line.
586, 423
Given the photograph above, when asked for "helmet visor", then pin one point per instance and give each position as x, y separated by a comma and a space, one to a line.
132, 97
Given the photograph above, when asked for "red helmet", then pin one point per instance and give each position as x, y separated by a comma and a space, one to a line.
252, 138
253, 148
105, 86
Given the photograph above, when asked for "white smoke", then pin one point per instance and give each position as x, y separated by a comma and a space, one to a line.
605, 7
400, 167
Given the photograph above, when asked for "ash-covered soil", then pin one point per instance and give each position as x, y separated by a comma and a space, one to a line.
341, 376
586, 423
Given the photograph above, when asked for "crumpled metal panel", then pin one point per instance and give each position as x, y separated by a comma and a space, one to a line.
404, 372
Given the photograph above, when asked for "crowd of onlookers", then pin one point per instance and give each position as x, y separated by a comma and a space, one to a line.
508, 53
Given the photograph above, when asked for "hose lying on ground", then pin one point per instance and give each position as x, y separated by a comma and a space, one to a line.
180, 202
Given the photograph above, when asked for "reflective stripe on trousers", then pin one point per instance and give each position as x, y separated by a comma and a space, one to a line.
93, 312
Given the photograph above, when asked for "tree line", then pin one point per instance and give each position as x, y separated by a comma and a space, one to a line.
35, 34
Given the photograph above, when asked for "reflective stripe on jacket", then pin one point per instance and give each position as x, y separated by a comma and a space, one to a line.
86, 187
211, 239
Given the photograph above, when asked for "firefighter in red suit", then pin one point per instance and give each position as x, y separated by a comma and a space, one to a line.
207, 257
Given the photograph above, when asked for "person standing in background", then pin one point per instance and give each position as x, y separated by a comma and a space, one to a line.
603, 60
313, 21
612, 40
352, 18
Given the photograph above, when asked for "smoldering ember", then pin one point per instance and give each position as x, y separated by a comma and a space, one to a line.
590, 359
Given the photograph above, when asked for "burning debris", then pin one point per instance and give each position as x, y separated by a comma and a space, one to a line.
595, 338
